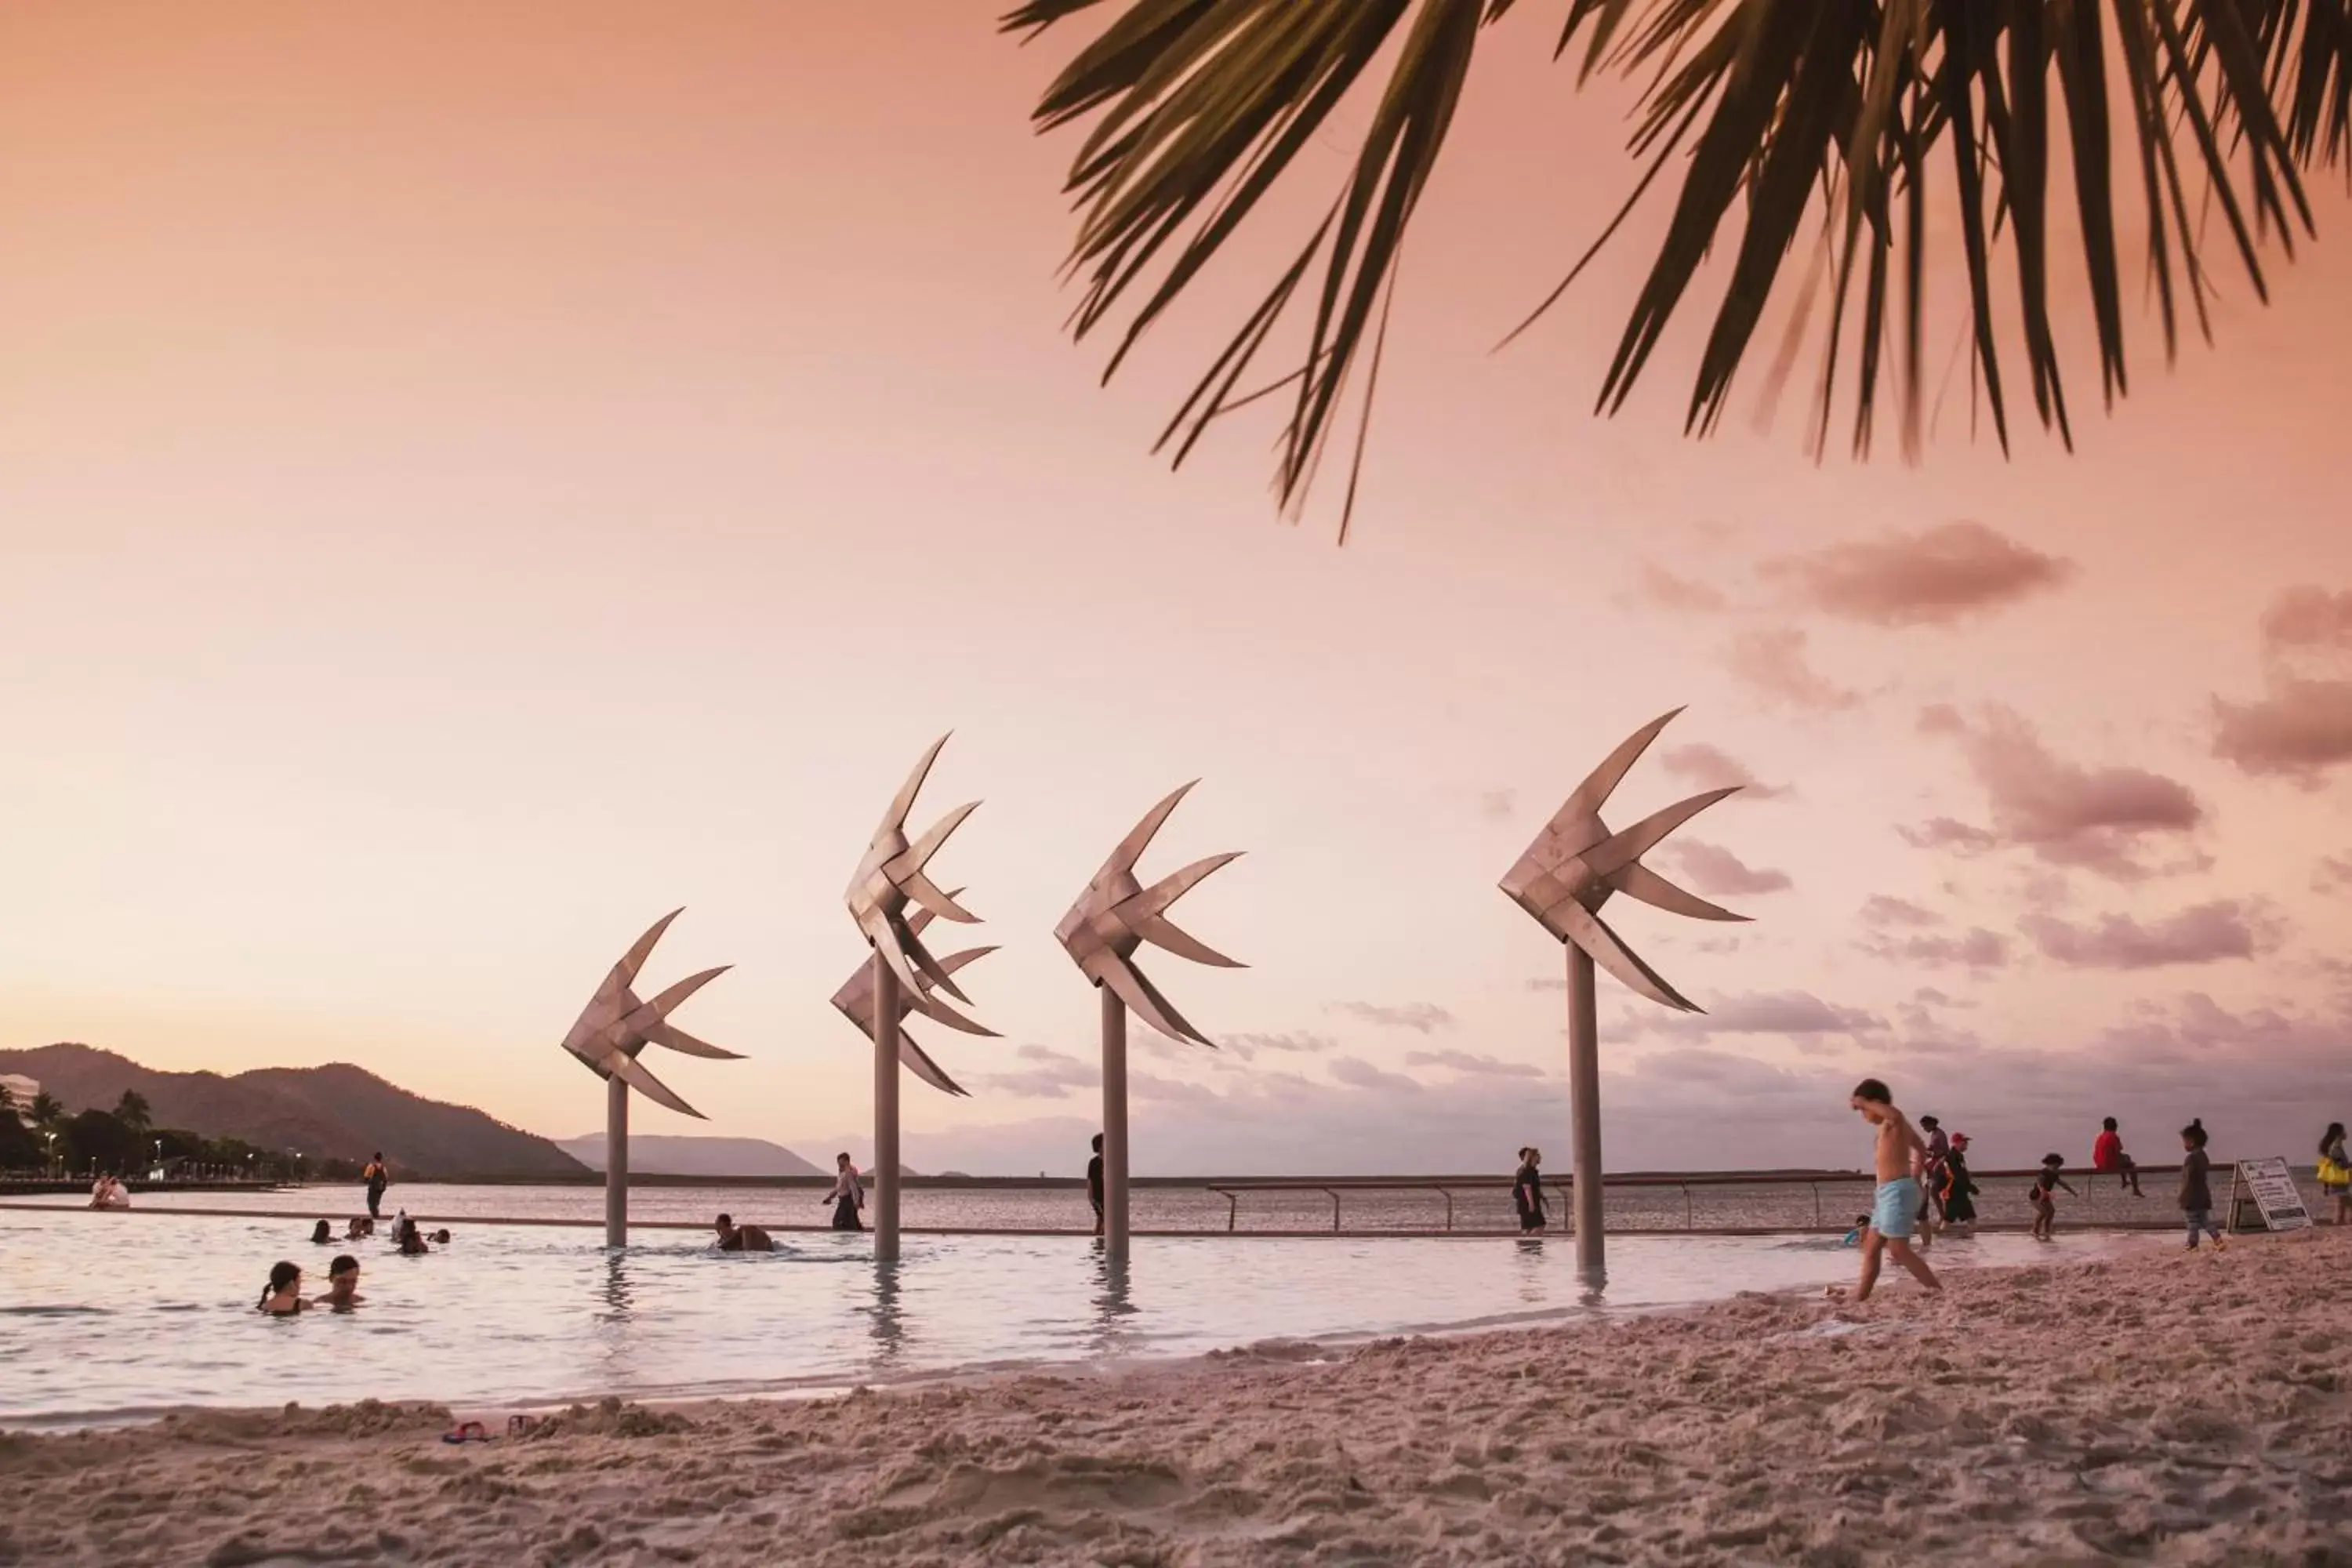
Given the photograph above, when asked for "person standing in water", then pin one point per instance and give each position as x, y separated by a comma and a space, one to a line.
1959, 1194
1896, 1157
377, 1178
848, 1197
1931, 1173
2044, 1197
1526, 1190
1095, 1184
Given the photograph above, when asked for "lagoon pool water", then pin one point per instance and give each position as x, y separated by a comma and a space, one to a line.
113, 1316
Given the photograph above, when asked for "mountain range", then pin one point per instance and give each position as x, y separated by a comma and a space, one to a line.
335, 1112
659, 1155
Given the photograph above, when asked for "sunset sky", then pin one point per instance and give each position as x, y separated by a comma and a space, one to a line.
475, 478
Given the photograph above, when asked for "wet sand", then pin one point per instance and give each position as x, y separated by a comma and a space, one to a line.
2177, 1408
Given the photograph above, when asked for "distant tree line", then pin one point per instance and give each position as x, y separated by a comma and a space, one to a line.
125, 1142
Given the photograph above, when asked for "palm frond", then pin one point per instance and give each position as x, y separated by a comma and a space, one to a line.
1784, 115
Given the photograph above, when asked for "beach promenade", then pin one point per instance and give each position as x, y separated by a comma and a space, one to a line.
2186, 1409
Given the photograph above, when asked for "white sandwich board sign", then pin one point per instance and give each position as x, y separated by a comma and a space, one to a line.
2272, 1186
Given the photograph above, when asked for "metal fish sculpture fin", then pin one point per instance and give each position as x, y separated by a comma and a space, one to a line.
916, 1062
1161, 931
1638, 881
931, 900
1621, 848
677, 1039
1595, 790
1589, 932
894, 819
631, 1071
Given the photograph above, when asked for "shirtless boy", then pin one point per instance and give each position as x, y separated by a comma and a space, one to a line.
1897, 1158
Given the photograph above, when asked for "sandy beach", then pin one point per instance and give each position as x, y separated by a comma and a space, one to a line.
2162, 1406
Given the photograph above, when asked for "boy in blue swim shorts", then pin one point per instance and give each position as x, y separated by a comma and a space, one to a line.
1897, 1158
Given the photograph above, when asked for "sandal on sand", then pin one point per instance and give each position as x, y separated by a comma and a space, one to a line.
467, 1432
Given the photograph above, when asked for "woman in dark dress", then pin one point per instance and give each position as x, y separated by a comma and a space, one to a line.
1959, 1194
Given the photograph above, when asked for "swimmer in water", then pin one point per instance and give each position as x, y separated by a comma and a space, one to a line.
733, 1237
343, 1285
1861, 1229
322, 1235
282, 1297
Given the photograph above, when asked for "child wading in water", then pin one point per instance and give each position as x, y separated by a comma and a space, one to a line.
2044, 1197
2196, 1191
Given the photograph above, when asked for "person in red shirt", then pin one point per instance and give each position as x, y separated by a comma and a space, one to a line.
2108, 1155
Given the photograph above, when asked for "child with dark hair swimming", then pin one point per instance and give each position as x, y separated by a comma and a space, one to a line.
282, 1297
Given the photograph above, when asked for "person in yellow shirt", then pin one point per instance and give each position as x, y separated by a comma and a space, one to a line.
377, 1178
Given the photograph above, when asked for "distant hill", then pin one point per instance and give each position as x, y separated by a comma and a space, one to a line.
336, 1111
670, 1155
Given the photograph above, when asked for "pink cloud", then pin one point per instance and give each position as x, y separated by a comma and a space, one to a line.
1975, 948
1472, 1064
1716, 872
1761, 1013
2333, 874
2202, 933
2301, 725
1773, 662
1421, 1017
1884, 909
2309, 616
1358, 1073
1671, 590
2097, 819
2301, 729
1935, 576
1710, 767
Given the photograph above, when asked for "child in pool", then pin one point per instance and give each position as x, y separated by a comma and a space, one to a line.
2044, 1197
1853, 1237
282, 1297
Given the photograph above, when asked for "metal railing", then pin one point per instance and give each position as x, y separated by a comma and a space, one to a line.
1470, 1204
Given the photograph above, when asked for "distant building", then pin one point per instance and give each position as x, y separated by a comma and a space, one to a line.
21, 1090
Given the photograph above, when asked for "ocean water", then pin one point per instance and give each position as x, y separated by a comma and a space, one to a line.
109, 1317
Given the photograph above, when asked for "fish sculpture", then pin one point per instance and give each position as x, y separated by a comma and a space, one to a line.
1116, 914
1576, 863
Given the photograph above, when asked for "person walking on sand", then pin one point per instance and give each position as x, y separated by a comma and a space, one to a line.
2107, 1158
848, 1197
1896, 1156
2335, 1172
1526, 1190
1095, 1184
2196, 1190
377, 1178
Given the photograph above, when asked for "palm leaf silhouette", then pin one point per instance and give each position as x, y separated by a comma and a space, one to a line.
1840, 119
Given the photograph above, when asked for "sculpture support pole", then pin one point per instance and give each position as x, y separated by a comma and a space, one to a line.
1584, 1112
885, 1110
1114, 1119
616, 1162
